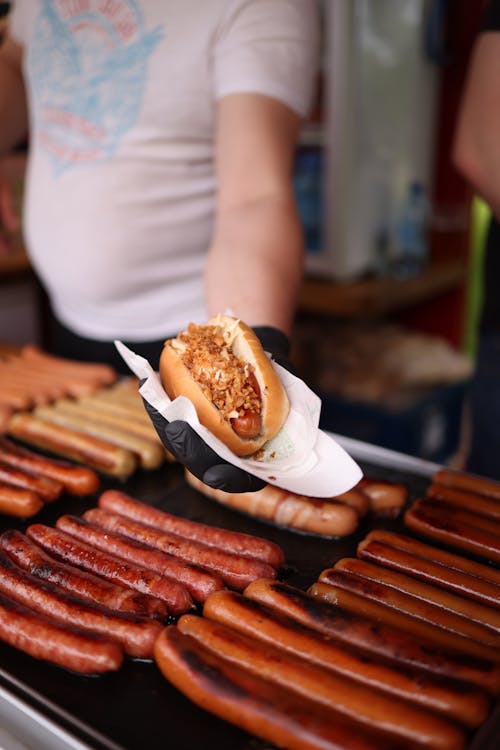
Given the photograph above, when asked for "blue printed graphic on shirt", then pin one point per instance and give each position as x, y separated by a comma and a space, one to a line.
88, 66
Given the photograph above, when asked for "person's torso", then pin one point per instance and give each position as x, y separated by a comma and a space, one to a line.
120, 189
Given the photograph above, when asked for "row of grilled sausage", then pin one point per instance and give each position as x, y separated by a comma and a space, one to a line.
107, 430
461, 511
373, 656
31, 377
95, 588
92, 589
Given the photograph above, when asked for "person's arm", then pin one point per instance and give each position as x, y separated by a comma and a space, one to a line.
13, 127
13, 110
255, 262
476, 152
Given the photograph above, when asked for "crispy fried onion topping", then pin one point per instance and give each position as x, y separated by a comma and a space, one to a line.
225, 380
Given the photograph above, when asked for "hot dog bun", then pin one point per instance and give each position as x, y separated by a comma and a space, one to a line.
221, 363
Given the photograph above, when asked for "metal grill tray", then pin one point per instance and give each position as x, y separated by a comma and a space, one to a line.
136, 708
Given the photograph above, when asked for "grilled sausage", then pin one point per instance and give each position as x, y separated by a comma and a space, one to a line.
471, 501
308, 514
425, 569
359, 702
98, 411
445, 525
59, 543
15, 501
43, 638
449, 560
469, 482
237, 543
260, 708
473, 611
30, 557
199, 583
357, 499
95, 372
98, 454
410, 604
76, 480
374, 637
359, 602
386, 499
150, 452
462, 702
136, 634
236, 571
48, 489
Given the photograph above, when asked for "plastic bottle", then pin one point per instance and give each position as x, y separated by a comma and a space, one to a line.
412, 248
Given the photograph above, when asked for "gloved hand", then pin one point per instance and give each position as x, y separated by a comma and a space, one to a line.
190, 450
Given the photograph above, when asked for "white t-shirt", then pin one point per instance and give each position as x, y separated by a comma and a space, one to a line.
120, 189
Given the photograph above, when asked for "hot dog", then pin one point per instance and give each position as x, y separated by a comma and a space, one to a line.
136, 634
197, 582
425, 569
469, 482
441, 557
18, 502
99, 454
30, 557
76, 480
372, 636
410, 604
314, 516
64, 547
235, 542
48, 489
466, 500
223, 369
358, 602
262, 709
360, 702
43, 638
446, 526
236, 571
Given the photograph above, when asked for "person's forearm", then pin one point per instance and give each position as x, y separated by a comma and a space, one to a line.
13, 111
476, 148
255, 263
478, 159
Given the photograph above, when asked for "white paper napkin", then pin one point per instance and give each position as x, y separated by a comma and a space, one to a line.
301, 458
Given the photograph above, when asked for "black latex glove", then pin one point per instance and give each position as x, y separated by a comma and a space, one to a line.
190, 450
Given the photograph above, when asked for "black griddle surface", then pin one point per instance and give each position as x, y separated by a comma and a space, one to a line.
136, 708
